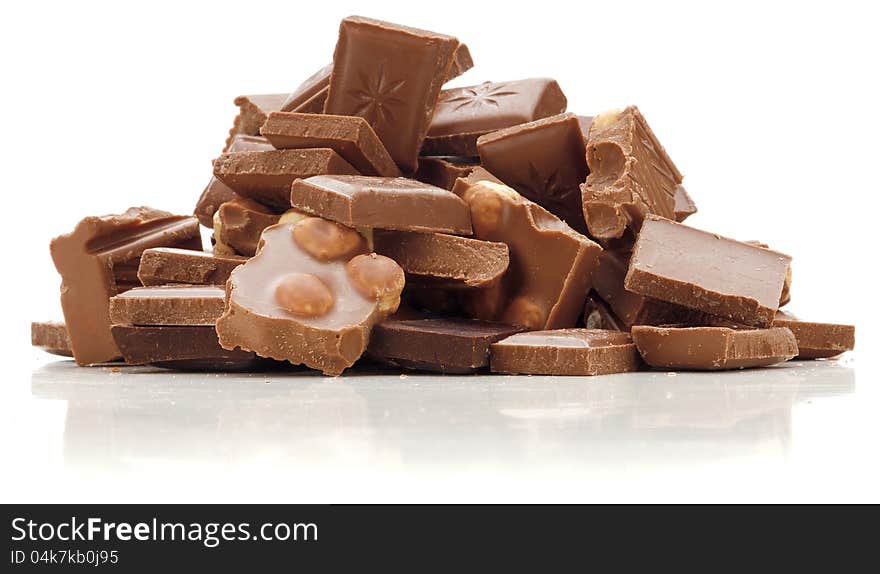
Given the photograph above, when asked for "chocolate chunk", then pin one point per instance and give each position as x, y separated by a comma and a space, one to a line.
684, 205
565, 352
164, 265
310, 296
817, 340
457, 346
87, 260
550, 264
461, 62
477, 175
382, 202
168, 305
442, 260
266, 176
310, 96
238, 225
544, 161
713, 348
443, 171
391, 76
218, 192
630, 175
52, 337
349, 136
180, 347
252, 113
464, 114
597, 315
703, 271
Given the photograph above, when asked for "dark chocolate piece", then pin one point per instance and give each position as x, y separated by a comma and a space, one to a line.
349, 136
266, 176
168, 305
684, 205
442, 260
464, 114
391, 76
544, 161
703, 271
457, 346
310, 96
713, 348
597, 315
252, 113
180, 347
443, 171
52, 337
164, 265
238, 225
382, 202
88, 259
310, 296
817, 340
565, 352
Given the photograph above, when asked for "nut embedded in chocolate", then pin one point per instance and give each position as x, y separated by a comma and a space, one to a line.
327, 241
304, 295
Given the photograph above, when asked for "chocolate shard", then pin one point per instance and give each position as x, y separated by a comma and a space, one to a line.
442, 260
464, 114
382, 202
310, 295
186, 348
630, 175
713, 348
266, 176
544, 161
168, 305
459, 346
238, 225
310, 96
252, 113
164, 265
88, 260
684, 205
443, 171
391, 76
52, 337
349, 136
817, 340
565, 352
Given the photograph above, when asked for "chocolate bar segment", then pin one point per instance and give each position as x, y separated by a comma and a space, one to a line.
443, 171
252, 113
391, 76
164, 265
168, 305
684, 205
349, 136
310, 96
382, 202
266, 176
631, 175
713, 348
52, 337
565, 352
544, 161
443, 260
238, 225
699, 270
464, 114
180, 347
459, 346
817, 340
87, 260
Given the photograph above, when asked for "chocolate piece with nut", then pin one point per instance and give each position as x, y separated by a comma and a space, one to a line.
238, 225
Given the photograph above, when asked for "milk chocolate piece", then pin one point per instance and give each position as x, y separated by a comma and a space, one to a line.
238, 225
180, 347
817, 340
252, 113
713, 348
164, 265
444, 260
597, 315
458, 346
88, 259
218, 192
382, 202
443, 171
684, 205
630, 175
477, 175
310, 96
785, 296
309, 296
52, 337
391, 76
550, 264
703, 271
168, 305
349, 136
544, 161
266, 176
565, 352
464, 114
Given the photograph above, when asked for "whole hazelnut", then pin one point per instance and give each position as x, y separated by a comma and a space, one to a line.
304, 294
377, 277
327, 240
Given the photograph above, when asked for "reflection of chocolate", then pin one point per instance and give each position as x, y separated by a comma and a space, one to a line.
817, 340
163, 265
52, 337
168, 305
565, 352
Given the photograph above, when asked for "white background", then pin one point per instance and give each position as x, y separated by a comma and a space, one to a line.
768, 108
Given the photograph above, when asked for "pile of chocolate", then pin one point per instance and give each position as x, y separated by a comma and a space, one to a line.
372, 216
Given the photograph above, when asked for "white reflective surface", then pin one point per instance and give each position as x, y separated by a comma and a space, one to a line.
802, 431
